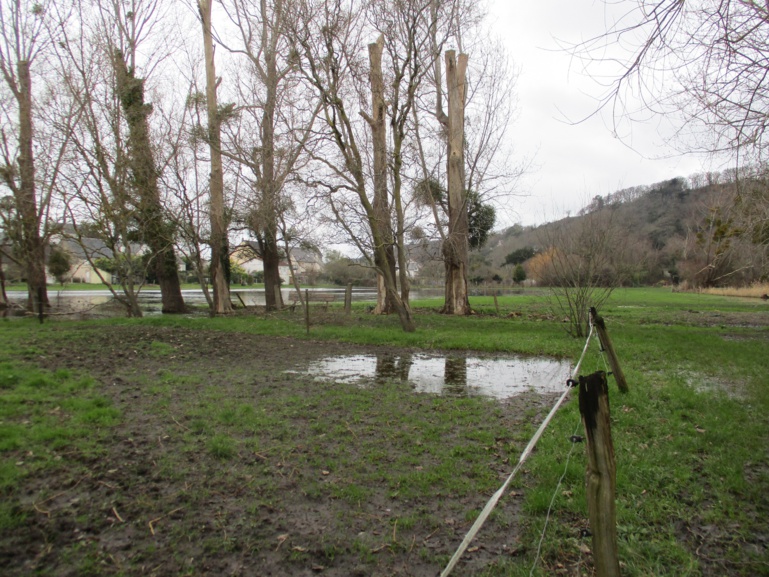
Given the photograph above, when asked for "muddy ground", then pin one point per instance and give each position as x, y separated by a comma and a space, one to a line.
160, 499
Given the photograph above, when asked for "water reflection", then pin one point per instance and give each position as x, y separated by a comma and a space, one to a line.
393, 367
454, 374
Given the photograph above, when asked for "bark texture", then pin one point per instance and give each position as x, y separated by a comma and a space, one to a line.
220, 257
268, 209
385, 258
455, 246
155, 230
601, 473
32, 245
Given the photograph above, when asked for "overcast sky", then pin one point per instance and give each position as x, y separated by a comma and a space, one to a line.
572, 163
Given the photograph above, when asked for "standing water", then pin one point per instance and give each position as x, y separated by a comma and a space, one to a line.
454, 375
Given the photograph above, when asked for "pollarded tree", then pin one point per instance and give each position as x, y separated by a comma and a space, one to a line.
487, 172
393, 76
219, 268
412, 36
456, 245
329, 38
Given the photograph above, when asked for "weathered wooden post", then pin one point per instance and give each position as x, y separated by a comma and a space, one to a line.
278, 297
607, 346
600, 477
348, 300
307, 309
496, 303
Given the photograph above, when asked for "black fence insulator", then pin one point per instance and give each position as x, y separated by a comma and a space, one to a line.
571, 383
585, 533
576, 439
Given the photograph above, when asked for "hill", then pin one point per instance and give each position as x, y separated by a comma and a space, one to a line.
705, 230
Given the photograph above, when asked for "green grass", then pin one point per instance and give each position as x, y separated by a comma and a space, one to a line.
690, 436
47, 420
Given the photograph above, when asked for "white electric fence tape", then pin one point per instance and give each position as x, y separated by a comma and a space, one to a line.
525, 455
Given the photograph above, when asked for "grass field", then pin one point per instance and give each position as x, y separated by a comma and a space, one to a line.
122, 439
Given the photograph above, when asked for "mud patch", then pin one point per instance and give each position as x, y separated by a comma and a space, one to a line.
224, 464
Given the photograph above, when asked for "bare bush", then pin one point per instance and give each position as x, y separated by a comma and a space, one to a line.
582, 265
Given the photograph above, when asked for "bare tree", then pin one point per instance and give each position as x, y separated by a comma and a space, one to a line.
96, 184
329, 39
704, 64
274, 121
581, 264
410, 32
112, 190
455, 247
717, 251
488, 173
707, 60
377, 122
155, 226
125, 27
186, 178
23, 39
219, 267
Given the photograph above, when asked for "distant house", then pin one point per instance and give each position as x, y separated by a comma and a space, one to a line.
307, 263
84, 252
246, 256
81, 270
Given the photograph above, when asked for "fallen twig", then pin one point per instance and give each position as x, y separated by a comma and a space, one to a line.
57, 495
178, 423
153, 521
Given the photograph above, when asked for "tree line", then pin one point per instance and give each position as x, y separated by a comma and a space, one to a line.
172, 128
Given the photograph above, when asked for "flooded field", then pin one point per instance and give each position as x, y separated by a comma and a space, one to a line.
102, 303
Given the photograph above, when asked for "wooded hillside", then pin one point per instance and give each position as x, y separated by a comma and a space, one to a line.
706, 230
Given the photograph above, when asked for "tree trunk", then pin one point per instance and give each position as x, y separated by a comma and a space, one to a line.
339, 123
130, 300
156, 231
220, 257
271, 262
33, 247
3, 294
294, 278
455, 247
269, 204
377, 122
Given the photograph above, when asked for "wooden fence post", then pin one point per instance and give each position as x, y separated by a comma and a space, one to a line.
600, 477
496, 303
348, 300
307, 309
607, 346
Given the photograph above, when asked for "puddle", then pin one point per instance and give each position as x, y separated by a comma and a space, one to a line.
499, 378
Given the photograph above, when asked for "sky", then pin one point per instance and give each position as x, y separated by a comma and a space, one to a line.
572, 163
